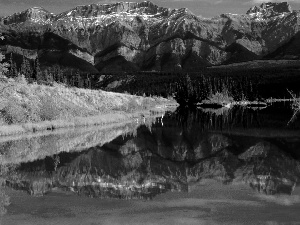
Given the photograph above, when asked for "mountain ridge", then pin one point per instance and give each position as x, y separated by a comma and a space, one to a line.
128, 36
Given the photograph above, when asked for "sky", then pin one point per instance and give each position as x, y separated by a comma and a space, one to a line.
205, 8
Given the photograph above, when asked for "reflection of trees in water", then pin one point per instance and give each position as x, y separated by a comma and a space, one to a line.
273, 116
56, 160
218, 119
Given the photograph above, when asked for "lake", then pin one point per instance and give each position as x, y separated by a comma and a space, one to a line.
201, 166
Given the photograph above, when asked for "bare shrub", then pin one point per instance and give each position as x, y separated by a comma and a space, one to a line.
49, 109
220, 97
122, 107
147, 103
132, 105
295, 106
32, 111
296, 100
13, 112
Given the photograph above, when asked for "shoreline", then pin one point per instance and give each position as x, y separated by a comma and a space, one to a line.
97, 120
31, 108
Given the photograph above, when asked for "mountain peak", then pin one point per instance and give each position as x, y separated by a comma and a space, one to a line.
271, 8
37, 8
34, 14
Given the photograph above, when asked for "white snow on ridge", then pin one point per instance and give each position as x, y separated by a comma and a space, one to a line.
108, 18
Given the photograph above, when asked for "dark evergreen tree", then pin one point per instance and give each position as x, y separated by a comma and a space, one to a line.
38, 71
26, 69
72, 80
13, 70
88, 83
77, 78
65, 79
55, 72
3, 66
48, 75
60, 75
80, 82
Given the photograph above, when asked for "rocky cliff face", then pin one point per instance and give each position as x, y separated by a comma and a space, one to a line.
270, 9
130, 36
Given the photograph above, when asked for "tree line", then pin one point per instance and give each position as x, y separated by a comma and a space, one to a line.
186, 89
33, 72
3, 66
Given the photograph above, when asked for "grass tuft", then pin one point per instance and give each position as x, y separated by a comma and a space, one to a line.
220, 98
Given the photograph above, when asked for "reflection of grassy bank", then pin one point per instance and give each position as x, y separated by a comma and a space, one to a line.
4, 201
47, 143
31, 107
5, 170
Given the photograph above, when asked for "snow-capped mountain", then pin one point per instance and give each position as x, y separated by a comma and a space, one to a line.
128, 36
266, 10
34, 15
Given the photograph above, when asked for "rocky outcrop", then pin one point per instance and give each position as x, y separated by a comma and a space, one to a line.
128, 36
271, 8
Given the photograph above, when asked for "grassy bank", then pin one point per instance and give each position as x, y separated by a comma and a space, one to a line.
32, 107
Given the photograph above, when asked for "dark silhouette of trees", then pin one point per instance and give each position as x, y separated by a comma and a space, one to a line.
13, 70
3, 66
37, 70
26, 68
33, 71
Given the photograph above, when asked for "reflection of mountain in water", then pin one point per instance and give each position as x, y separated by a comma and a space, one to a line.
170, 158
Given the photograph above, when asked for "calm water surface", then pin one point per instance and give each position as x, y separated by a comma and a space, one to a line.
236, 166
